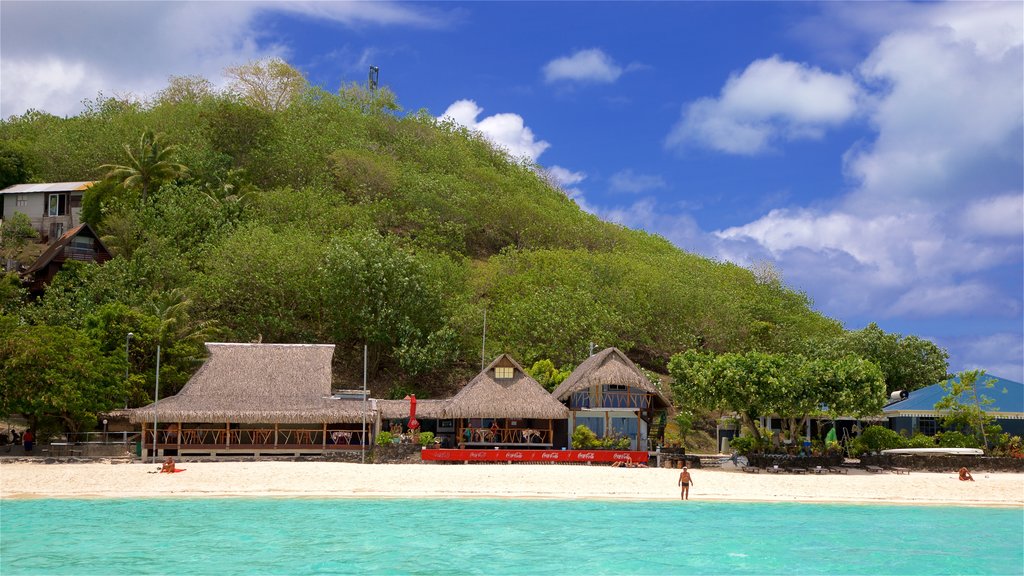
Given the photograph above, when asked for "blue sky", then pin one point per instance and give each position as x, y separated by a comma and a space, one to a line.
872, 152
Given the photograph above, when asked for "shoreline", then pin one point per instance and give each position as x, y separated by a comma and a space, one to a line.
321, 480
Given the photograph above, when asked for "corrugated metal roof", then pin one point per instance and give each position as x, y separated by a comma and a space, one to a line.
1007, 397
47, 187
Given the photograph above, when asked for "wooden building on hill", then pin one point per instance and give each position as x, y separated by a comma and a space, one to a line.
610, 395
253, 399
504, 406
79, 243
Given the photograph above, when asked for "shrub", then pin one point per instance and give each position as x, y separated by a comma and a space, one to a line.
954, 439
921, 441
876, 439
385, 438
426, 438
583, 438
743, 445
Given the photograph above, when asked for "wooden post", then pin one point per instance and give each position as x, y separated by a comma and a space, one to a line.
323, 446
275, 434
227, 434
179, 439
637, 428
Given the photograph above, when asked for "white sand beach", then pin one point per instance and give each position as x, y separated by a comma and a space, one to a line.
343, 480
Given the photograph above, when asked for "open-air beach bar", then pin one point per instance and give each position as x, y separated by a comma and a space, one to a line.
504, 407
610, 395
253, 399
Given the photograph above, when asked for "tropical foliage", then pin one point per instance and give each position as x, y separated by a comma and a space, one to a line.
276, 211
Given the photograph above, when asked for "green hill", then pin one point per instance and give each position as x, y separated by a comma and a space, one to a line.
338, 219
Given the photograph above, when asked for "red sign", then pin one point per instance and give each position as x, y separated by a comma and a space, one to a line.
482, 455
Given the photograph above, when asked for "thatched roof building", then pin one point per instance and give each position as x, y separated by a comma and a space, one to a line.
258, 383
504, 390
608, 367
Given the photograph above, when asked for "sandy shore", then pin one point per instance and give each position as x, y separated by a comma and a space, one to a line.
341, 480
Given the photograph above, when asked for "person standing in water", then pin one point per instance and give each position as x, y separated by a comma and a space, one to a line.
684, 482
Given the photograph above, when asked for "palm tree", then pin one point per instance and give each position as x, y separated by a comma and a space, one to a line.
149, 166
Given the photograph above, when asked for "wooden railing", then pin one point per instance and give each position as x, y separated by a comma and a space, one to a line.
506, 435
611, 399
258, 437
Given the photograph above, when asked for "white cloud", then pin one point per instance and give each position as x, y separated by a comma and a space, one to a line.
591, 65
949, 111
935, 213
53, 55
632, 183
931, 300
1000, 354
565, 177
771, 100
506, 131
997, 216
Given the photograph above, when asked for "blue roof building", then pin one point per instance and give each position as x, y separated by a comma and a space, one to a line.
917, 412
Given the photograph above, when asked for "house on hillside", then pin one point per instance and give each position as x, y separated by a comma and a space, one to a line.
53, 208
79, 243
256, 399
504, 406
917, 412
610, 395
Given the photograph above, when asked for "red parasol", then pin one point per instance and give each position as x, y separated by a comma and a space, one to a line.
413, 423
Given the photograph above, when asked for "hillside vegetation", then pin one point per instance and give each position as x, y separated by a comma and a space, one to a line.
336, 218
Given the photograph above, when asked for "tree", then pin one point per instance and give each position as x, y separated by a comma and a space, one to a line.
58, 375
384, 296
752, 384
12, 166
147, 167
270, 84
185, 89
965, 406
755, 384
17, 238
547, 374
908, 362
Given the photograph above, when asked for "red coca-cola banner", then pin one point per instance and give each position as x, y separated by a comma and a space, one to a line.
481, 455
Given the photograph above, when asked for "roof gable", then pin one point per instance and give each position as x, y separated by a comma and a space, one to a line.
53, 250
518, 397
289, 383
607, 367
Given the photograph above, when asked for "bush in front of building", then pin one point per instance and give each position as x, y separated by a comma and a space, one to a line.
876, 439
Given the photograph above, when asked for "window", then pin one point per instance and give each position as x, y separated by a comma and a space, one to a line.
502, 372
616, 387
927, 426
57, 205
56, 230
20, 201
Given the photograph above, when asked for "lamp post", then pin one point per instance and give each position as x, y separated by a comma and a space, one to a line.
156, 396
104, 431
127, 364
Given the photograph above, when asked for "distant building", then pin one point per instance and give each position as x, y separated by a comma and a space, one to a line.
610, 395
917, 412
54, 208
79, 243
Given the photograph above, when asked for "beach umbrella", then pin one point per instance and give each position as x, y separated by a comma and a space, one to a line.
413, 423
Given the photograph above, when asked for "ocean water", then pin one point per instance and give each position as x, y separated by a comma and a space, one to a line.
382, 536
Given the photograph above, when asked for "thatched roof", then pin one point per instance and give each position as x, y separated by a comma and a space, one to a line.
258, 383
395, 409
518, 397
609, 366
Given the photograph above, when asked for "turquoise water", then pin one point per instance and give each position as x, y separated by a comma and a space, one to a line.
341, 536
